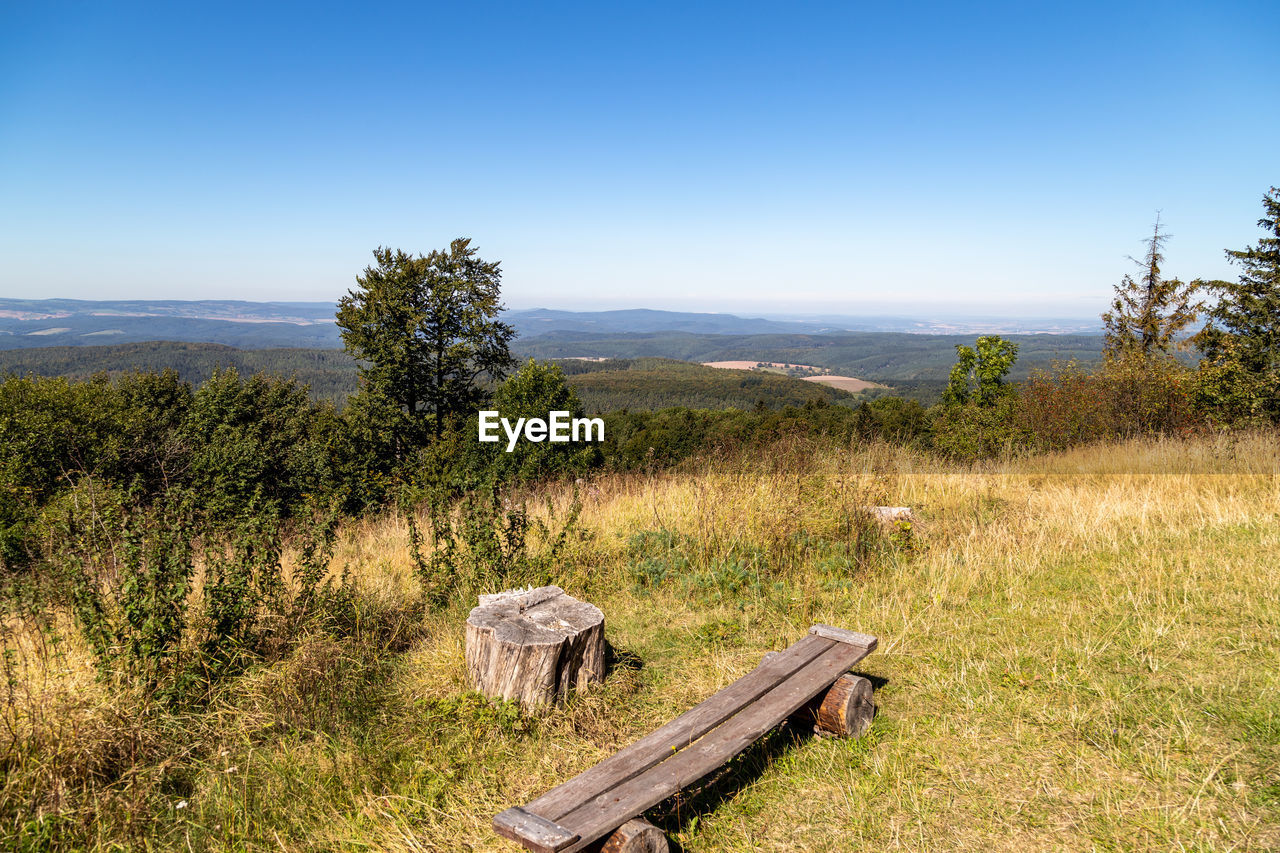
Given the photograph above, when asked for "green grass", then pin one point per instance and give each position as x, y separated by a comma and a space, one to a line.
1080, 662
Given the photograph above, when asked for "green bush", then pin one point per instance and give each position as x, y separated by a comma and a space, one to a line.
130, 570
975, 431
487, 541
1124, 397
535, 390
258, 442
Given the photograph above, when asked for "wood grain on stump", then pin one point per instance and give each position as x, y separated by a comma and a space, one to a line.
534, 646
845, 710
636, 836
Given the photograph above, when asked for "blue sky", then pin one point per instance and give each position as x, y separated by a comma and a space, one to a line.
849, 157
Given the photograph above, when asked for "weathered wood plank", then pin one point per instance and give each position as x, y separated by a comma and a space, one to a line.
536, 833
596, 817
840, 635
678, 733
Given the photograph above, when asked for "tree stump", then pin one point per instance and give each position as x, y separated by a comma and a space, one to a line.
889, 516
636, 836
534, 645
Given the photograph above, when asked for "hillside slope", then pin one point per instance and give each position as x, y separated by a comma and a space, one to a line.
638, 384
655, 383
1076, 652
877, 356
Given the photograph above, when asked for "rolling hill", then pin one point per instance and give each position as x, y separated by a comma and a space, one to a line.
877, 356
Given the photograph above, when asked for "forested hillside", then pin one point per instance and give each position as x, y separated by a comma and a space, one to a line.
640, 384
644, 371
658, 383
329, 373
878, 356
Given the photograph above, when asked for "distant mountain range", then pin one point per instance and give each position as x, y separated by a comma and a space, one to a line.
539, 321
64, 337
26, 323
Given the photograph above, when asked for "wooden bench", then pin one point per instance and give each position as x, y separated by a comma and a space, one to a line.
811, 674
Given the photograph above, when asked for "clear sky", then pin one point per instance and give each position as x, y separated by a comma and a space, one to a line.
852, 157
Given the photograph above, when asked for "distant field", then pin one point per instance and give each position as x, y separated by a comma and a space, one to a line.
655, 383
844, 383
753, 365
799, 371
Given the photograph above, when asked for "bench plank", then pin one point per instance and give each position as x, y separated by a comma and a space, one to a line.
842, 635
596, 817
679, 733
519, 825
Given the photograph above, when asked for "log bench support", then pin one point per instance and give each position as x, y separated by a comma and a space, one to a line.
809, 681
845, 710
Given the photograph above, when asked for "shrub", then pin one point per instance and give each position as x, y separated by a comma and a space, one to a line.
535, 390
152, 619
973, 431
257, 442
1124, 397
1064, 407
487, 541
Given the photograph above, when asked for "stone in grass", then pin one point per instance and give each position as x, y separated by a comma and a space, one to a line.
534, 645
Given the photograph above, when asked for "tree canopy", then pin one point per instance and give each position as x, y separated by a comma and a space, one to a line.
979, 372
427, 332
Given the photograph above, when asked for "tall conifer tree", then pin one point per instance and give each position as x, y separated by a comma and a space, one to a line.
1147, 315
1244, 326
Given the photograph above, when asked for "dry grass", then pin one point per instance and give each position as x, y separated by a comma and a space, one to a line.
1078, 652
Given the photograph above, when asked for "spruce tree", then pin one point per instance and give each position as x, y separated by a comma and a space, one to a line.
1147, 315
1244, 326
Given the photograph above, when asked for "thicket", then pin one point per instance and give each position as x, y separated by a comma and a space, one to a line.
236, 447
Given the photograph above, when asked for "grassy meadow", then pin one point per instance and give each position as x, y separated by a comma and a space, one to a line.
1077, 652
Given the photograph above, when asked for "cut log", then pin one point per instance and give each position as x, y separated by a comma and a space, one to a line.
534, 646
636, 836
845, 710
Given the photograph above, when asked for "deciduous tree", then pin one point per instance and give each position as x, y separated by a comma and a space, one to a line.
979, 372
427, 332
